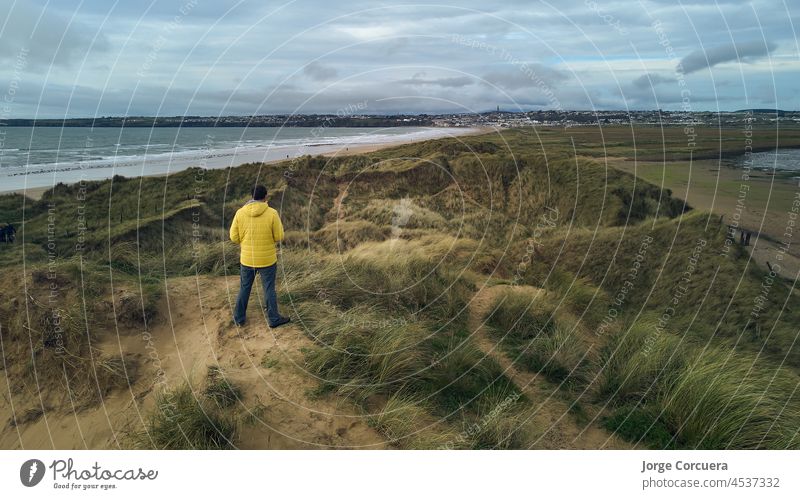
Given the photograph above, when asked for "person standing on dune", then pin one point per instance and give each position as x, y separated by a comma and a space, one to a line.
257, 228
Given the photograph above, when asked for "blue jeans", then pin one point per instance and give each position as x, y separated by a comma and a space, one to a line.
247, 276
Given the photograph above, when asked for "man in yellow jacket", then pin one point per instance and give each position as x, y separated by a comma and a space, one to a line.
257, 228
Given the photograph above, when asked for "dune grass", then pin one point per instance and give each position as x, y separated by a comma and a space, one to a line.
720, 292
638, 358
539, 336
705, 397
723, 400
342, 235
408, 424
439, 379
389, 275
220, 390
411, 349
183, 420
50, 334
361, 353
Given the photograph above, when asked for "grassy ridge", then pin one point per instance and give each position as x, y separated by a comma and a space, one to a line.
689, 278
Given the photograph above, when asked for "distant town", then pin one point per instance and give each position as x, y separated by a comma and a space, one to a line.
497, 118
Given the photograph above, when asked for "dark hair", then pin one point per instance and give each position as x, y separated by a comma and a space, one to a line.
259, 192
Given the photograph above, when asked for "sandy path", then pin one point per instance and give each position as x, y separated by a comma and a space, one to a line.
563, 432
338, 212
267, 364
279, 409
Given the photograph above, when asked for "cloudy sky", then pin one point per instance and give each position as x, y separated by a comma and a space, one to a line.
79, 58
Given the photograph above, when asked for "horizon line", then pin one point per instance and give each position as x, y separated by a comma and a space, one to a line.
764, 110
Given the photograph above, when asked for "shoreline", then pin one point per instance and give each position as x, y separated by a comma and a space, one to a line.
35, 193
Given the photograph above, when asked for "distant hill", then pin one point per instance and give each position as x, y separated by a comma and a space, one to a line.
779, 112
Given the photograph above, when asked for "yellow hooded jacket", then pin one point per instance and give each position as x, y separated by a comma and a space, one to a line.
257, 228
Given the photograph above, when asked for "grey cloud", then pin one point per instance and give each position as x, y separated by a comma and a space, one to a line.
526, 76
706, 58
396, 46
453, 82
319, 72
669, 97
45, 38
652, 79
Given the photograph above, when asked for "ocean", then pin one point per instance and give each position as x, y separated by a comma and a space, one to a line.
44, 156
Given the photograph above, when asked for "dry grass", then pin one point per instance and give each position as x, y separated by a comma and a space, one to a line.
343, 235
541, 337
706, 397
183, 420
220, 390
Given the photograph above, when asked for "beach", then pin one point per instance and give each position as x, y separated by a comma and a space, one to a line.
33, 180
